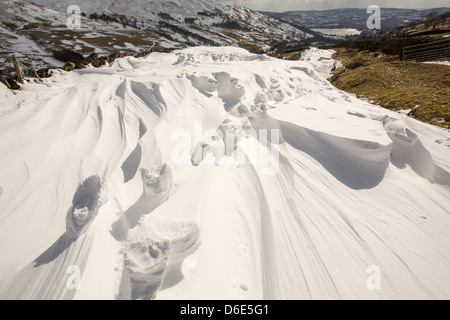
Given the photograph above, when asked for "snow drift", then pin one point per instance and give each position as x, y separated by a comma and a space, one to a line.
89, 179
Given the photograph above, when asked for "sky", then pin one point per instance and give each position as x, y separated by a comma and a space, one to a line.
293, 5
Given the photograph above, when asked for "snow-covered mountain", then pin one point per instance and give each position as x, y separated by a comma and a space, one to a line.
137, 8
114, 184
31, 30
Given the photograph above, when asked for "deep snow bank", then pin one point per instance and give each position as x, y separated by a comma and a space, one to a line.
317, 187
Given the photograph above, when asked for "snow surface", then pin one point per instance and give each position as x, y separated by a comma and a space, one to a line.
87, 179
5, 92
445, 63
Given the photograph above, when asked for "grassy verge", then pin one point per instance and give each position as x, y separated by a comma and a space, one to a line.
396, 85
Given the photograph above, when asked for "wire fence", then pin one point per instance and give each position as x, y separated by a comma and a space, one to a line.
427, 51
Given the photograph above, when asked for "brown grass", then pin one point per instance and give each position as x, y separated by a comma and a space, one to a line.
397, 85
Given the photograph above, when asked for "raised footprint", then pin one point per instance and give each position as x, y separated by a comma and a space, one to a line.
88, 199
153, 248
146, 263
157, 180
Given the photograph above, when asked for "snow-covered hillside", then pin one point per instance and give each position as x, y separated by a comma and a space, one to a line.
139, 8
32, 30
99, 183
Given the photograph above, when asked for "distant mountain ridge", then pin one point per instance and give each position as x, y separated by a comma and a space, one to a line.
353, 18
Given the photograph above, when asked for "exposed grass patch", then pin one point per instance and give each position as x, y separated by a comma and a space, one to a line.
253, 48
397, 85
232, 35
105, 41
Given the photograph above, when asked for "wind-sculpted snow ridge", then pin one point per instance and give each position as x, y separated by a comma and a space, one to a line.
213, 173
234, 54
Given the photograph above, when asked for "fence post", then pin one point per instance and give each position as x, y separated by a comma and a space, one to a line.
16, 66
34, 73
6, 83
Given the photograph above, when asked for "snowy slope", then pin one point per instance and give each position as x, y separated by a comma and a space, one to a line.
135, 7
32, 30
178, 9
355, 186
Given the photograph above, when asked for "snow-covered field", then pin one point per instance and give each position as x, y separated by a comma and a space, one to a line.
96, 204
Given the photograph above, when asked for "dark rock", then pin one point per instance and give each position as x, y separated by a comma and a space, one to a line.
69, 66
44, 73
115, 55
67, 55
92, 57
103, 61
14, 85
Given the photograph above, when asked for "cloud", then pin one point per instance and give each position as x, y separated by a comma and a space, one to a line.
292, 5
